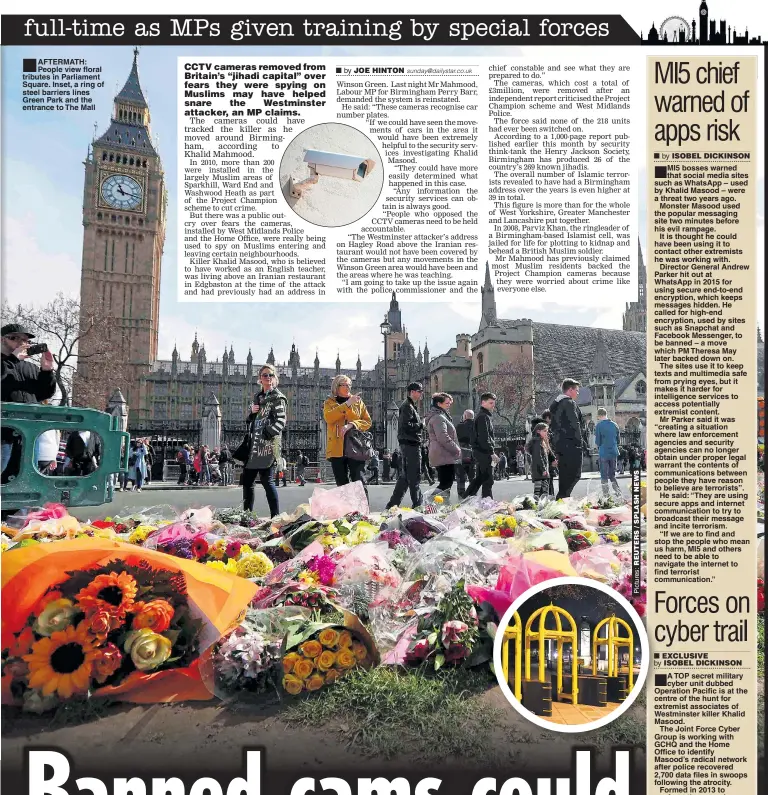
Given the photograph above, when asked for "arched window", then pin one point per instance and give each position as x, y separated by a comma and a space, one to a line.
437, 387
641, 387
480, 364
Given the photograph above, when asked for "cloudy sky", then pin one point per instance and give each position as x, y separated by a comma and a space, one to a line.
42, 181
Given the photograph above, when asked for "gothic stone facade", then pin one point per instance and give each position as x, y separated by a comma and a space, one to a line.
609, 363
178, 388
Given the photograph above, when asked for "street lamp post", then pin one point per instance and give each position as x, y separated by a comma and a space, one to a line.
386, 329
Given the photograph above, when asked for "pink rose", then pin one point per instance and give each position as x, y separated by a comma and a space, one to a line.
418, 651
452, 631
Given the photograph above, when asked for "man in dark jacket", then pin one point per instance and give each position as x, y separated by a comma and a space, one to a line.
409, 428
483, 445
568, 436
22, 382
465, 469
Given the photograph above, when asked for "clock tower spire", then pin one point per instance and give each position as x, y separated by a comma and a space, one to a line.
124, 219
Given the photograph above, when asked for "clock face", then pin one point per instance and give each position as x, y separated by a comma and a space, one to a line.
121, 192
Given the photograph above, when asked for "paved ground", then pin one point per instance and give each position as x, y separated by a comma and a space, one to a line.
290, 496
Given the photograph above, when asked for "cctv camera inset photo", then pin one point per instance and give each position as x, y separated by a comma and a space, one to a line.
331, 174
571, 657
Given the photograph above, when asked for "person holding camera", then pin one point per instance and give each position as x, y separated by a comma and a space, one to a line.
342, 412
22, 382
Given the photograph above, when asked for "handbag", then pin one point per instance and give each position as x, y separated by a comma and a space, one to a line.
358, 445
243, 452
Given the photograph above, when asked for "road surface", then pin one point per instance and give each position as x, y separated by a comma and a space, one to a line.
290, 496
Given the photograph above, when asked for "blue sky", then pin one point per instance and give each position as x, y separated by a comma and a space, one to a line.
42, 183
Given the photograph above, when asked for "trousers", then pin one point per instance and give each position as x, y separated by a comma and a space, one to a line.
409, 476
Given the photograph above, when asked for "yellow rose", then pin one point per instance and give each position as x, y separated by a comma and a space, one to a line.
329, 638
219, 565
56, 615
332, 676
315, 682
289, 661
346, 658
326, 660
345, 639
359, 650
148, 650
292, 684
216, 552
438, 500
303, 668
311, 648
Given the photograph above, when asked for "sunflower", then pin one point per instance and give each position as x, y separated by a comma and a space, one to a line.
112, 592
63, 663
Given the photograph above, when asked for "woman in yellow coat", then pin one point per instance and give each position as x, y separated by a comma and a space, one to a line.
342, 412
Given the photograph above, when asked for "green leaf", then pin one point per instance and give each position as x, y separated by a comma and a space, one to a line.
439, 661
172, 635
432, 638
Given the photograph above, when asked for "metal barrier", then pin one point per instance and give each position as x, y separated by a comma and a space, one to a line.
28, 486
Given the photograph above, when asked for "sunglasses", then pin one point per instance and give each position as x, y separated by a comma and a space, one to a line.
267, 375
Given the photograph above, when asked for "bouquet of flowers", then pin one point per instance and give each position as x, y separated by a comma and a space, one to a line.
500, 527
624, 587
96, 628
317, 654
446, 635
295, 594
94, 617
247, 660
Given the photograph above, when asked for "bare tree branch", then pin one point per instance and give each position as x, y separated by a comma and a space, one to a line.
87, 343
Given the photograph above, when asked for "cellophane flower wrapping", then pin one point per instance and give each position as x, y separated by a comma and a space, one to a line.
318, 653
598, 562
96, 617
450, 634
330, 504
249, 660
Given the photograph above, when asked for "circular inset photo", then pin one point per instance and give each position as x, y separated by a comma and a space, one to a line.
331, 174
571, 656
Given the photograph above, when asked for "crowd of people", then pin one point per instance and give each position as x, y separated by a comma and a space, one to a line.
429, 447
202, 466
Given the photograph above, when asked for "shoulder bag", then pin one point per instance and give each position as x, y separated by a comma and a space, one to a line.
358, 445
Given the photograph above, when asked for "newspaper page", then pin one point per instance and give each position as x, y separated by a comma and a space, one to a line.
380, 394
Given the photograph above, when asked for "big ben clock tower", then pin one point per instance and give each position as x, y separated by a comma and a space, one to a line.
124, 217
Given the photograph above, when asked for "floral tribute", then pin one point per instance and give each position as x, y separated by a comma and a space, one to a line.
318, 654
453, 634
95, 629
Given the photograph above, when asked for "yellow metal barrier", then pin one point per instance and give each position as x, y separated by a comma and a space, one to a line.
613, 641
513, 632
559, 635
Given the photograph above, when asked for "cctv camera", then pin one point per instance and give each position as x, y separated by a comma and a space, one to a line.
331, 164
